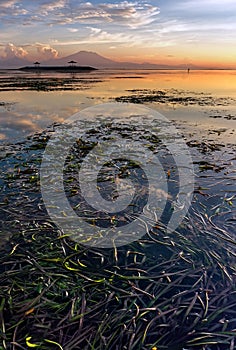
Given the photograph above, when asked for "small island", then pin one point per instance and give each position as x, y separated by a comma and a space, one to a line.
60, 69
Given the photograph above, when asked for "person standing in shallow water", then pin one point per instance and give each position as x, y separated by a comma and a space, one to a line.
188, 70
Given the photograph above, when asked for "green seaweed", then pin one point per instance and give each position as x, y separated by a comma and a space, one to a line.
168, 290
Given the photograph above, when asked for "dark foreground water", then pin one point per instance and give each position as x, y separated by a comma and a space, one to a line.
167, 290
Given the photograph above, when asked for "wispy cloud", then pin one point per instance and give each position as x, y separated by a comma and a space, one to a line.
206, 5
7, 3
130, 14
122, 39
124, 24
73, 30
11, 8
50, 6
99, 35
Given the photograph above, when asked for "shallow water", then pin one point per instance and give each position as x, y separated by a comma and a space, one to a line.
189, 274
23, 112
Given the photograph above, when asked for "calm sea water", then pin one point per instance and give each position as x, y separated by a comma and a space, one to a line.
187, 276
26, 112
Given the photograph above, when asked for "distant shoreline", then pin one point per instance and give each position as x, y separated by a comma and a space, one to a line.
72, 69
60, 69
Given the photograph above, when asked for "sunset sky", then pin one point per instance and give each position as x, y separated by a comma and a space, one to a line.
159, 31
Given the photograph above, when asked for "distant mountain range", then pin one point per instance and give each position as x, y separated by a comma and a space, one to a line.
87, 58
14, 62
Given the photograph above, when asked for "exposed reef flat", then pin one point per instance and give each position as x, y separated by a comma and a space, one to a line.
173, 96
46, 84
171, 289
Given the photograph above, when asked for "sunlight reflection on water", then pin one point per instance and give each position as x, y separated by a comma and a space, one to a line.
32, 111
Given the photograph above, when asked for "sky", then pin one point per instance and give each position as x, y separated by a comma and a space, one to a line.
157, 31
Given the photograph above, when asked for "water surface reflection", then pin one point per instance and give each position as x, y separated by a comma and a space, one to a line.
24, 112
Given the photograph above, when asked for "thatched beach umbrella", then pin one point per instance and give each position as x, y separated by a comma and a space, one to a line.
36, 64
72, 63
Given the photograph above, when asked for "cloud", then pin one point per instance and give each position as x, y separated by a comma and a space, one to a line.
73, 14
46, 51
190, 27
95, 31
206, 5
52, 5
115, 38
99, 35
8, 3
114, 23
131, 14
72, 30
173, 26
11, 51
11, 8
